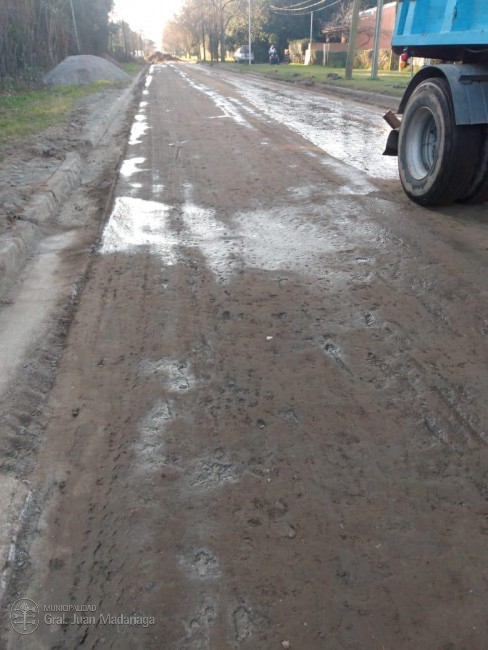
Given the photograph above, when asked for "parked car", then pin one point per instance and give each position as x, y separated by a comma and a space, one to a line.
241, 55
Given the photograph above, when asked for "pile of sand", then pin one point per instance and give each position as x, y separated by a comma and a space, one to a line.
84, 69
159, 57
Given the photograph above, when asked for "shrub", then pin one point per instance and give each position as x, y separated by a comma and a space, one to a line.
334, 59
363, 59
298, 49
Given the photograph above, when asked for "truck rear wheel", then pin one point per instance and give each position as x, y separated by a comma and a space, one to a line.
436, 158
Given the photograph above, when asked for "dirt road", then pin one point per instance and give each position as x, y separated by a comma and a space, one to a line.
269, 425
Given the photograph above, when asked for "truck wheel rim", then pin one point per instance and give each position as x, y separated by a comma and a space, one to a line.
422, 143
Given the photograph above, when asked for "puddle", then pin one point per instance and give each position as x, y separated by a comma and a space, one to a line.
135, 188
301, 239
306, 239
131, 166
354, 134
280, 238
226, 105
356, 184
139, 128
135, 222
287, 238
307, 192
207, 234
157, 190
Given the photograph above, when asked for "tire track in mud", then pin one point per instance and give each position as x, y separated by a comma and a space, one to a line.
346, 460
250, 461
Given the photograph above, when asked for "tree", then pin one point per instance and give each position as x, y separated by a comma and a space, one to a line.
125, 43
35, 35
93, 24
223, 24
222, 12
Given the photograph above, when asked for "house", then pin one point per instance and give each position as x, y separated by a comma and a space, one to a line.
337, 34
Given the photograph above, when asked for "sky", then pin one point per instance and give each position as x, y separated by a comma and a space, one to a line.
147, 15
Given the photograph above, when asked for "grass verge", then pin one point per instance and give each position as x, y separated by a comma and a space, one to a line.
26, 112
132, 68
388, 83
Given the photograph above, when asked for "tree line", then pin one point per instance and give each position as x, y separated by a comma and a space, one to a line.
209, 29
35, 35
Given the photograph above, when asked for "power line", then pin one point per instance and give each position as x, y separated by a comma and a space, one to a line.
299, 9
303, 11
298, 4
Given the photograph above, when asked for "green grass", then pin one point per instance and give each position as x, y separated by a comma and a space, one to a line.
132, 68
26, 112
388, 83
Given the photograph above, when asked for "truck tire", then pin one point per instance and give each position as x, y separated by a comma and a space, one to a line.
477, 191
436, 158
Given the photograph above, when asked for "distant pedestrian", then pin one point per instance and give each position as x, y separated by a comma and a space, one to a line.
273, 55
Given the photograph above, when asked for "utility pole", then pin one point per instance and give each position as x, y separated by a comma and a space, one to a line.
377, 38
125, 41
203, 41
74, 25
311, 38
352, 39
249, 32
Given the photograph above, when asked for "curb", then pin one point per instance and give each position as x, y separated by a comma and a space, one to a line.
55, 191
120, 105
15, 247
19, 243
364, 96
15, 500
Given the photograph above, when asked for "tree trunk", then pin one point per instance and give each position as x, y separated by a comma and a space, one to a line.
222, 37
203, 42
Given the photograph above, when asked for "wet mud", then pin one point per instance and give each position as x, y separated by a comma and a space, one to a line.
269, 425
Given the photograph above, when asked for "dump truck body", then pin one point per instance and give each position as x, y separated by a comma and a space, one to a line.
442, 143
443, 29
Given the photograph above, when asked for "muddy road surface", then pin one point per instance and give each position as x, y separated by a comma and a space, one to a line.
268, 428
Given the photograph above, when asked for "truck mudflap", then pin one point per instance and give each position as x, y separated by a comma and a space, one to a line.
393, 137
468, 84
391, 148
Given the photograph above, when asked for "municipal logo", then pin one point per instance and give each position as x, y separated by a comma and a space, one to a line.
24, 616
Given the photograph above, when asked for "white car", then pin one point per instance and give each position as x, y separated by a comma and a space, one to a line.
241, 55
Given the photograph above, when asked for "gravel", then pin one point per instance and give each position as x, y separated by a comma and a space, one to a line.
84, 69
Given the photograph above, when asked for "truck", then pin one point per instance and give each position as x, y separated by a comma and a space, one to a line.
441, 134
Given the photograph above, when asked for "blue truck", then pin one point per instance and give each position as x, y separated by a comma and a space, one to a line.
442, 138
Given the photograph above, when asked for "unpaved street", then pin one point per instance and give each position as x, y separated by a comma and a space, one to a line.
268, 428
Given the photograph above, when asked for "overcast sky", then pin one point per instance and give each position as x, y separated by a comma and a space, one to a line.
147, 15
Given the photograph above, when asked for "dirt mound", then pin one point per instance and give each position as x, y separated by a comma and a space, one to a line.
160, 57
84, 69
